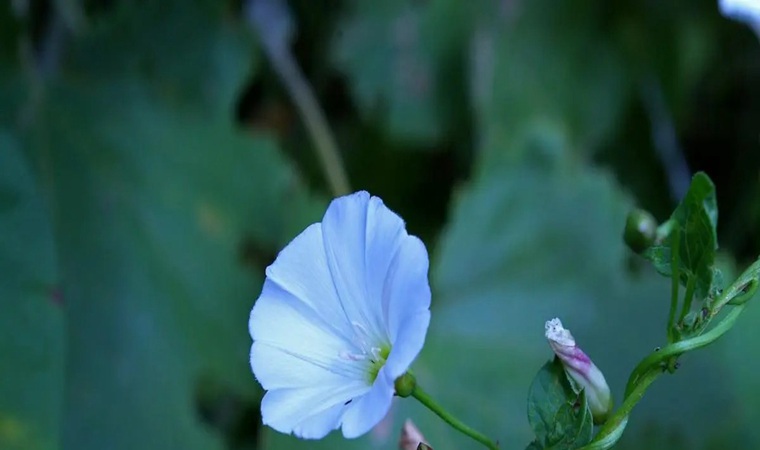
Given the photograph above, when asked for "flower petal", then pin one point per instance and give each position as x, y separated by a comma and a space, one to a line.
286, 410
368, 410
301, 269
319, 425
408, 310
386, 233
293, 348
344, 231
411, 338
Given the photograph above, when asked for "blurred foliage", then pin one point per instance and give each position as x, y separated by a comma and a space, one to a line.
152, 165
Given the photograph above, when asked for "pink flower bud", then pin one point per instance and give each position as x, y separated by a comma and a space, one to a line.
411, 437
581, 370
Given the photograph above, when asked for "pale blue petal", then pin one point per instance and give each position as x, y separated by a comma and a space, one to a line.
293, 348
301, 269
408, 310
286, 410
319, 425
367, 411
344, 231
411, 338
747, 11
385, 235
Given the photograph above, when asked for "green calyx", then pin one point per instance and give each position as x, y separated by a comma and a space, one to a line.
405, 385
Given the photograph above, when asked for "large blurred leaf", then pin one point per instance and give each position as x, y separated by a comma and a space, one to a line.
543, 68
157, 201
31, 318
527, 245
403, 59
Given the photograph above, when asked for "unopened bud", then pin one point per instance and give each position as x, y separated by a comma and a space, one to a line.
640, 230
411, 437
581, 370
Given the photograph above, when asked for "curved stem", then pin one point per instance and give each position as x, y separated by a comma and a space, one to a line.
273, 22
457, 424
678, 348
648, 370
316, 123
614, 427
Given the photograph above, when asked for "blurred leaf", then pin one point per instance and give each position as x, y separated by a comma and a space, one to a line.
543, 71
526, 245
158, 202
558, 415
402, 60
697, 219
31, 319
191, 55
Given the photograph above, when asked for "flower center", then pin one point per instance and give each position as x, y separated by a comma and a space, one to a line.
373, 356
377, 361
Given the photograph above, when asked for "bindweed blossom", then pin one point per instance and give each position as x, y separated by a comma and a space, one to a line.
580, 369
343, 313
747, 11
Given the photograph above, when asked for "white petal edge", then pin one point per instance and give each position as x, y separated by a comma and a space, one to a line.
320, 424
368, 410
411, 339
344, 233
747, 11
301, 269
291, 349
407, 286
287, 409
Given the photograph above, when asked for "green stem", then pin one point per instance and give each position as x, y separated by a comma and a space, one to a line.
684, 346
428, 401
610, 433
648, 370
274, 24
675, 266
315, 121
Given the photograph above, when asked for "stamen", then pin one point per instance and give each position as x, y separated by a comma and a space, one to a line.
345, 354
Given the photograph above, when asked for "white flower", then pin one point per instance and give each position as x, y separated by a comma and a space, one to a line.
343, 312
581, 370
747, 11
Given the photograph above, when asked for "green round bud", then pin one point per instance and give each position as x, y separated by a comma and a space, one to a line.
405, 385
640, 230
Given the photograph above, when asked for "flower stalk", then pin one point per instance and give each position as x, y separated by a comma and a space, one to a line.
424, 398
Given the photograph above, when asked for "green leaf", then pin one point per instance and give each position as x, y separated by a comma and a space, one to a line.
534, 89
696, 217
154, 210
399, 58
166, 215
31, 314
559, 416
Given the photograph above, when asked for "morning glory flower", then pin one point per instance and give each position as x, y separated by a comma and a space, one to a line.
747, 11
581, 370
343, 312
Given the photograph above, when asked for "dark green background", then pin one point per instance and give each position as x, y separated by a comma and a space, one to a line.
152, 165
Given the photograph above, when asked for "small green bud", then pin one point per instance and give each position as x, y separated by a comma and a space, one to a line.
640, 230
405, 385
